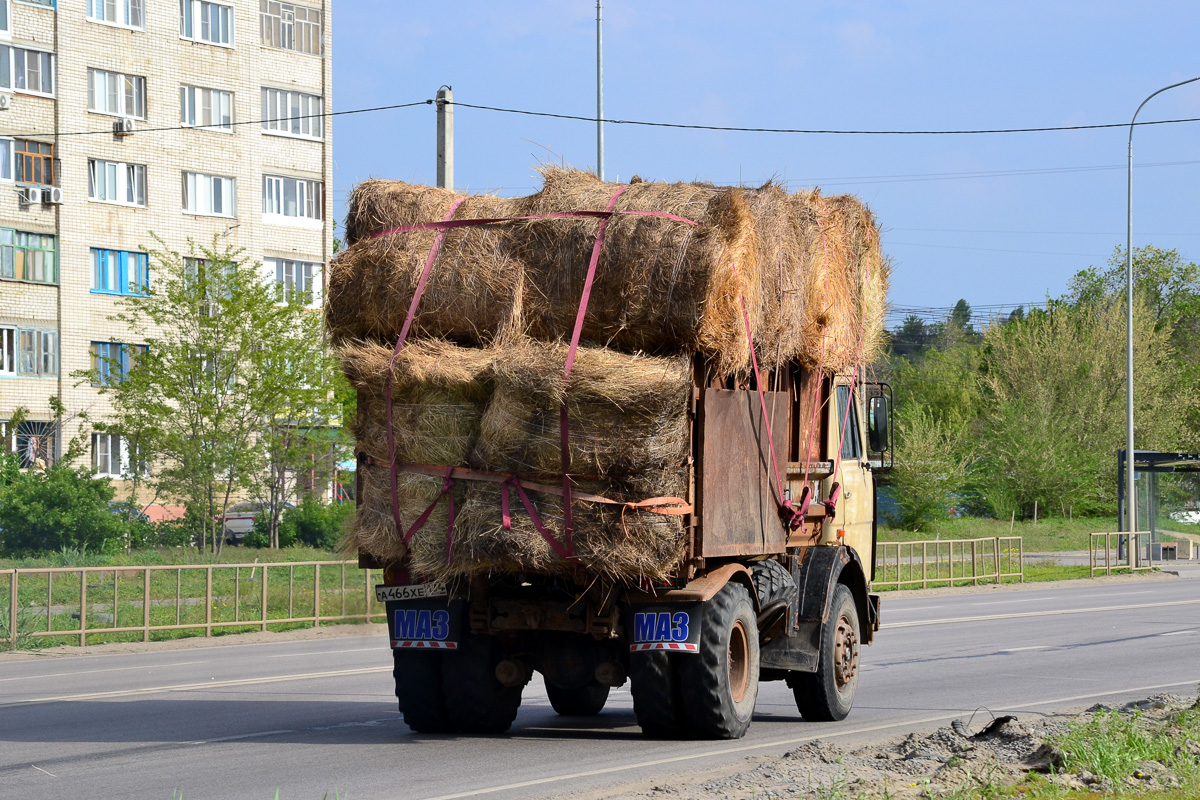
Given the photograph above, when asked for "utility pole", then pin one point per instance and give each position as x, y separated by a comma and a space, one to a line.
599, 94
445, 137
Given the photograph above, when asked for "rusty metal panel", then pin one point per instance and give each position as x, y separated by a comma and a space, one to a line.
738, 498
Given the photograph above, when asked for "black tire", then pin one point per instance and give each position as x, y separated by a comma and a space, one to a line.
773, 583
418, 676
584, 701
654, 684
827, 695
475, 701
720, 683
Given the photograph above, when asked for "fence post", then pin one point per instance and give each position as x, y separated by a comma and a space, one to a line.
996, 556
367, 591
82, 608
145, 604
12, 610
924, 565
316, 595
263, 605
208, 601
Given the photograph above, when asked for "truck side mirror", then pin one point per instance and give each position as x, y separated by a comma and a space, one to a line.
879, 424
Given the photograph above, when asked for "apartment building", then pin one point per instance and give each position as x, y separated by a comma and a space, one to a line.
120, 119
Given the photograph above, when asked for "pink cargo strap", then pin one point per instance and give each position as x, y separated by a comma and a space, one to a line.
408, 321
448, 224
506, 516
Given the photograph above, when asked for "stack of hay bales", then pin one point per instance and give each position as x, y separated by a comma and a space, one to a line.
480, 381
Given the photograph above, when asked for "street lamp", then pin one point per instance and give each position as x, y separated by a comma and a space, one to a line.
1130, 504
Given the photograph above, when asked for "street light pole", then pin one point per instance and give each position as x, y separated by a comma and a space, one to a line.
599, 95
1130, 500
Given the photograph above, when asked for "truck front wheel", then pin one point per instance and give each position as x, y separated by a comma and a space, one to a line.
582, 701
418, 676
720, 683
828, 694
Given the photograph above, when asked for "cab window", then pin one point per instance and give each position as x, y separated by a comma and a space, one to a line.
851, 446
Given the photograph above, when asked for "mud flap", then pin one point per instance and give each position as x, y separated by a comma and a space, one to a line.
426, 624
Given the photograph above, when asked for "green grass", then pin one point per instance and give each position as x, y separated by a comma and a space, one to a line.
171, 556
1047, 535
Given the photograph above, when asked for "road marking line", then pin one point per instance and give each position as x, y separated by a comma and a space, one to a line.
325, 652
237, 737
1177, 633
788, 742
1046, 613
93, 671
1020, 649
187, 687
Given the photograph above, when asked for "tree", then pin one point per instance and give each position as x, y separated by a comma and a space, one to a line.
228, 365
931, 465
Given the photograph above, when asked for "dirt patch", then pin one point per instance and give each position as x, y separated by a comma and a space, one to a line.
378, 630
957, 760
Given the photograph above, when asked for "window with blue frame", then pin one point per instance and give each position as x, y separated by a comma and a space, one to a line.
111, 361
120, 272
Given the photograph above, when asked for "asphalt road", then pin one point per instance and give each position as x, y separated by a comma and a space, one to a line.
315, 718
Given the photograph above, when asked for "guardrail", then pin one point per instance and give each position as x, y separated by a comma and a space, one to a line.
111, 603
1117, 553
949, 562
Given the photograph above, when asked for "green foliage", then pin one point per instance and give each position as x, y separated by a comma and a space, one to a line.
311, 524
931, 466
60, 507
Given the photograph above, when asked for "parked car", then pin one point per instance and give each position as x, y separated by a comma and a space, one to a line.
239, 519
131, 512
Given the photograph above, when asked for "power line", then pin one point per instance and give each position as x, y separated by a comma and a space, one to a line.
891, 243
738, 129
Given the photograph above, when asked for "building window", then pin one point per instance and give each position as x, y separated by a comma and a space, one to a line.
8, 351
125, 13
5, 23
202, 21
116, 182
291, 27
26, 70
110, 454
292, 113
292, 197
37, 352
205, 108
115, 93
297, 281
34, 443
111, 361
28, 256
35, 161
120, 272
209, 194
6, 158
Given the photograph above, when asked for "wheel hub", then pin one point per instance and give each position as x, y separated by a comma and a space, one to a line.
845, 653
739, 662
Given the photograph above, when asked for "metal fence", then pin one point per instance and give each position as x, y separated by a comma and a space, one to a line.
1111, 551
101, 604
948, 562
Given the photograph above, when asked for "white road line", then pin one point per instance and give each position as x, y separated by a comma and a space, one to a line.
93, 671
326, 652
789, 742
1046, 613
238, 737
1177, 633
187, 687
1003, 602
1020, 649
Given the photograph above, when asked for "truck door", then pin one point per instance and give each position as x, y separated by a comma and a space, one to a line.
855, 507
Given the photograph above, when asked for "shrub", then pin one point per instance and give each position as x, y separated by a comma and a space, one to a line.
55, 509
311, 524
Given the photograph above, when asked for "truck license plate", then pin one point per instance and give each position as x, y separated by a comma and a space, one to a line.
416, 591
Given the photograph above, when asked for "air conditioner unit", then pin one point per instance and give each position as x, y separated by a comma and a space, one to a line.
5, 102
52, 195
30, 194
124, 126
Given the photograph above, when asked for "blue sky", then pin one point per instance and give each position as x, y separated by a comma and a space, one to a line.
996, 219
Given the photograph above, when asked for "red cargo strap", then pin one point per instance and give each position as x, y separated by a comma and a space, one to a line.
408, 321
447, 224
506, 517
563, 418
447, 486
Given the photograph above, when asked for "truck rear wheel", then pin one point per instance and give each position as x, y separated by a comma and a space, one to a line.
654, 684
476, 702
720, 683
418, 676
827, 695
584, 701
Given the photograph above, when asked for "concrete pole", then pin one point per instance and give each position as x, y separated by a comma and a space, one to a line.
445, 138
599, 94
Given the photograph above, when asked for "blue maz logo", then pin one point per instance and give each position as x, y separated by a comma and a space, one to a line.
661, 630
423, 628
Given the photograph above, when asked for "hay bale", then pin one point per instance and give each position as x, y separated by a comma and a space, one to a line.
474, 294
373, 529
661, 286
628, 414
438, 396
